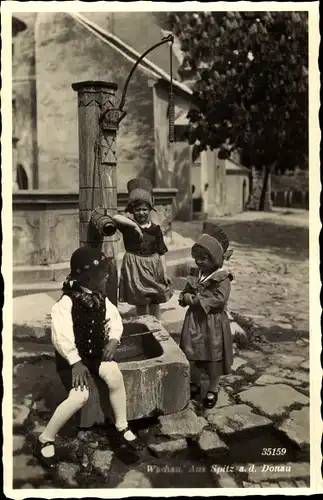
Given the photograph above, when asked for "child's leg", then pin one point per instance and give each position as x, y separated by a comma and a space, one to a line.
195, 380
74, 402
154, 310
195, 374
142, 310
214, 369
110, 372
214, 372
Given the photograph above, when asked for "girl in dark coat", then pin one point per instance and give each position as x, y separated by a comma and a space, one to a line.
206, 336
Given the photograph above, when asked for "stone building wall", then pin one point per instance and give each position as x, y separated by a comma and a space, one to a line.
23, 83
215, 169
46, 224
65, 53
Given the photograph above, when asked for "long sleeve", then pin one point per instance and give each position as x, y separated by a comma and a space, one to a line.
115, 322
215, 298
62, 331
160, 243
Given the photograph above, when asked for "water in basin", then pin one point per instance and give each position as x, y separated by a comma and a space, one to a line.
137, 344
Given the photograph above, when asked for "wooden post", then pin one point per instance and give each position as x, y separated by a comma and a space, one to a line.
98, 171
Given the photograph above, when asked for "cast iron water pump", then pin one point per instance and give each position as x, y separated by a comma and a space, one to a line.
99, 121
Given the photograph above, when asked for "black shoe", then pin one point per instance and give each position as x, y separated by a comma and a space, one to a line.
134, 444
195, 390
48, 462
210, 399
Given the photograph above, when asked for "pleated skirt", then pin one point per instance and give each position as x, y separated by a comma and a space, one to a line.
143, 281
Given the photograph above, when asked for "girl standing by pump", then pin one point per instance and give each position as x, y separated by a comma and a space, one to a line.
143, 280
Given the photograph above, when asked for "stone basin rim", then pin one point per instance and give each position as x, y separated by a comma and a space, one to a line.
153, 327
159, 332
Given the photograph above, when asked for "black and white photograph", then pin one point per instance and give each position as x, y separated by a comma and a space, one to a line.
161, 183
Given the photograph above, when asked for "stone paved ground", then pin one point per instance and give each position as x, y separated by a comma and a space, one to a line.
270, 264
256, 436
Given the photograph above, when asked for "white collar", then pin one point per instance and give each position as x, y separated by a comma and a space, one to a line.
148, 224
202, 278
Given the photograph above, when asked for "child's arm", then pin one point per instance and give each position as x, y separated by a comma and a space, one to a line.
122, 222
62, 331
114, 332
64, 341
186, 297
164, 265
215, 298
162, 250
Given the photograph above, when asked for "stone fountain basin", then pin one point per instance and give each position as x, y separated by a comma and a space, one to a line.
155, 371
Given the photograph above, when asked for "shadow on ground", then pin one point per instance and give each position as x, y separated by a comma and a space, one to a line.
288, 240
273, 334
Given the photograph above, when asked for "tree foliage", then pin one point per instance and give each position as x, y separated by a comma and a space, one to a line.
251, 92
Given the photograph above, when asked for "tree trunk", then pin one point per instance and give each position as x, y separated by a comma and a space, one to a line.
265, 202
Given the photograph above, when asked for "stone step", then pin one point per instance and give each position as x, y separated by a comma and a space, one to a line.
35, 275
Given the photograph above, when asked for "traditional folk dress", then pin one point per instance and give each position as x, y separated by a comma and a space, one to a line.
80, 331
206, 334
142, 278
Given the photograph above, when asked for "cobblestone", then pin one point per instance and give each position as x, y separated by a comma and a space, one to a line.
182, 424
26, 468
210, 443
273, 400
225, 480
286, 484
18, 443
168, 448
301, 484
66, 473
135, 479
237, 363
101, 460
266, 484
249, 485
234, 419
297, 428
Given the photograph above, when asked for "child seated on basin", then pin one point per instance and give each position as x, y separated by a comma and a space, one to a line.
206, 336
143, 278
86, 330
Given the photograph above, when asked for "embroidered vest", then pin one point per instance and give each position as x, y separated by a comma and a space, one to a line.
89, 327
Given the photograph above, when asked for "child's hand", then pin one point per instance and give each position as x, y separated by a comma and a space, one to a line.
189, 299
181, 301
168, 281
80, 375
109, 350
185, 299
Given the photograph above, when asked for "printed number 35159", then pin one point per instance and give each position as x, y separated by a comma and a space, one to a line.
273, 451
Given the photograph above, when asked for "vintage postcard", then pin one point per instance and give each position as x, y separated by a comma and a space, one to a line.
161, 183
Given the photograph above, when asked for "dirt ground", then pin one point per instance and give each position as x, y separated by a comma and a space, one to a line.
270, 264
